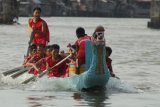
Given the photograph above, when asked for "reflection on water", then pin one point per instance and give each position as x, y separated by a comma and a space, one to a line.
87, 99
92, 99
37, 101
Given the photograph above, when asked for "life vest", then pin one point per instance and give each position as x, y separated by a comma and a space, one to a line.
39, 38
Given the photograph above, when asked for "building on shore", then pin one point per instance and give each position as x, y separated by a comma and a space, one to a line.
140, 8
155, 14
1, 9
84, 8
49, 7
87, 8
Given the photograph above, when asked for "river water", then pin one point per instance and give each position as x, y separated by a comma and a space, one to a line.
136, 61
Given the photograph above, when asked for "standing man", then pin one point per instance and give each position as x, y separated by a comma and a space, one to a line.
39, 28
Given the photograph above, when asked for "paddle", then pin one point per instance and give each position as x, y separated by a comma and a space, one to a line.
29, 43
12, 71
117, 77
20, 72
23, 70
47, 71
44, 72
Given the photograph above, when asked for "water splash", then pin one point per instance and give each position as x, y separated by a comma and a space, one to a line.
63, 84
116, 85
53, 84
7, 82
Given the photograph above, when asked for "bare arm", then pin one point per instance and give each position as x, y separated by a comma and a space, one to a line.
30, 62
111, 71
35, 65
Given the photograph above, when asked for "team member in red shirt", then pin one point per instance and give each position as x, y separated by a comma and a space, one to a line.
59, 70
40, 31
36, 60
32, 52
80, 44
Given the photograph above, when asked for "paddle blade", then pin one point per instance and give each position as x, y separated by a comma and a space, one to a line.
117, 77
12, 71
34, 77
29, 79
19, 73
43, 73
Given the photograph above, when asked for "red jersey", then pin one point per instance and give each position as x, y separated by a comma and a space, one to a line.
59, 70
42, 66
39, 38
36, 58
81, 49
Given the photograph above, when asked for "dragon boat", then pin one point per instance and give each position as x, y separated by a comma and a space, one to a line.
96, 73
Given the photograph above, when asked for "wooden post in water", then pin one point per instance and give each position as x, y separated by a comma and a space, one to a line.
9, 11
155, 14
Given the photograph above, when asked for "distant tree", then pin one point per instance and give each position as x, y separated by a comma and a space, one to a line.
10, 11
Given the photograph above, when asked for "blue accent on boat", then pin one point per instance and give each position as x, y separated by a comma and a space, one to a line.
88, 54
97, 74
